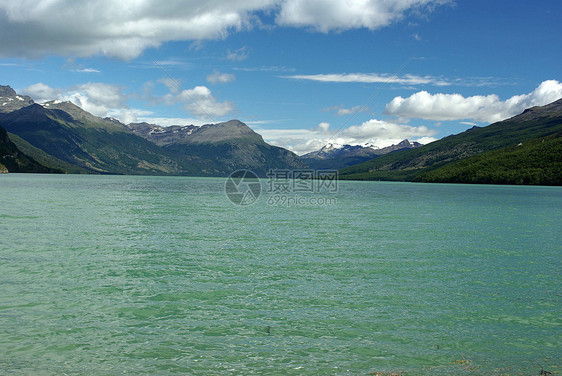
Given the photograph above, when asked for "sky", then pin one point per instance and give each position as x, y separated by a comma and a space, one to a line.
302, 73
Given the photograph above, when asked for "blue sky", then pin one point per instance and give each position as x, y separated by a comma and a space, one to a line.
300, 72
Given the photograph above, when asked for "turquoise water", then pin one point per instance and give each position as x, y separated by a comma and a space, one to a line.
109, 275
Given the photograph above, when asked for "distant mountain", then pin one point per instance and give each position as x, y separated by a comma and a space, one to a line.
63, 136
11, 101
416, 164
13, 160
333, 156
225, 147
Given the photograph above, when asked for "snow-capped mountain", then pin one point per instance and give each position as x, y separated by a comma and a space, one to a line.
337, 156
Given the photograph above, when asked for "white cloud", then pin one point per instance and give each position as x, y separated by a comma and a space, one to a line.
342, 111
377, 132
124, 115
220, 78
323, 127
237, 55
41, 92
426, 140
97, 98
103, 100
170, 63
125, 28
171, 83
199, 101
350, 111
423, 105
408, 79
87, 70
273, 68
327, 15
120, 29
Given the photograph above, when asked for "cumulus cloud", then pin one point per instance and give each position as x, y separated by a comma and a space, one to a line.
327, 15
124, 29
220, 78
369, 78
440, 107
382, 130
323, 127
375, 132
124, 115
103, 100
120, 29
200, 102
42, 93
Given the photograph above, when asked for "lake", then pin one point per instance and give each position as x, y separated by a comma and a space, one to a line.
110, 275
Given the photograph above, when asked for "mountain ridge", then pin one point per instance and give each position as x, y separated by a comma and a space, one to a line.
61, 133
339, 156
227, 146
534, 123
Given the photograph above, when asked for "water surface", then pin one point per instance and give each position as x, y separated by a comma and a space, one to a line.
108, 275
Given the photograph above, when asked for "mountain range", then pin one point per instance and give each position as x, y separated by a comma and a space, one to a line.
60, 137
63, 137
334, 156
224, 147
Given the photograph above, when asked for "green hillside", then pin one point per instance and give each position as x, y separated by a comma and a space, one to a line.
44, 158
14, 160
535, 123
538, 162
94, 145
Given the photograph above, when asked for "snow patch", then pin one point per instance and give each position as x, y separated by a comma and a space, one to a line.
19, 98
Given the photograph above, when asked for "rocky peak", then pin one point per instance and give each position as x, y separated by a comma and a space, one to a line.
7, 91
10, 100
407, 144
